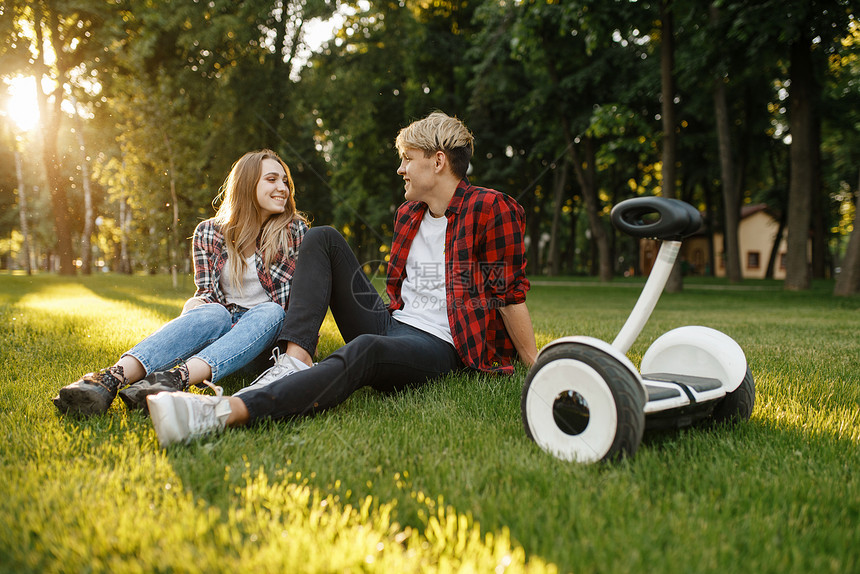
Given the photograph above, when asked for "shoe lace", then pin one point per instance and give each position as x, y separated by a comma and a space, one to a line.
283, 366
117, 373
206, 413
283, 362
218, 390
181, 371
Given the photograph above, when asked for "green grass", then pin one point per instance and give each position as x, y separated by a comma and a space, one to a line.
436, 479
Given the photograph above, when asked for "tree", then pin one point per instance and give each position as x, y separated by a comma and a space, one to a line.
747, 32
728, 100
89, 218
23, 213
63, 39
675, 282
848, 280
800, 190
173, 91
573, 56
841, 150
511, 157
732, 192
812, 28
389, 64
194, 87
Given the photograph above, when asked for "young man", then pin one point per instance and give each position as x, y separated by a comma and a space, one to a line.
456, 281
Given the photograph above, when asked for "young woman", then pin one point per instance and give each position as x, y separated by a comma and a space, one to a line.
244, 260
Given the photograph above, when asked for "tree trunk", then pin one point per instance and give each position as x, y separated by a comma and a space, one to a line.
22, 213
173, 240
124, 222
848, 280
534, 266
802, 169
675, 283
774, 251
86, 236
571, 252
559, 183
60, 207
779, 204
820, 254
50, 120
710, 216
125, 265
585, 174
731, 193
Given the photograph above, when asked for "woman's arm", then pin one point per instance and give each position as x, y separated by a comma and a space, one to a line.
202, 254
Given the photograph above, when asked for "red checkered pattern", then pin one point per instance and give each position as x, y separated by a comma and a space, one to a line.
484, 270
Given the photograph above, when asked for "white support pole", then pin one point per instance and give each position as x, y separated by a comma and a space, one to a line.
649, 296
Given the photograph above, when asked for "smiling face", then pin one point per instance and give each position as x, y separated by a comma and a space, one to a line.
418, 173
272, 188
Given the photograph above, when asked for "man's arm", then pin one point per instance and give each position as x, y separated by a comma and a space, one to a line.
518, 323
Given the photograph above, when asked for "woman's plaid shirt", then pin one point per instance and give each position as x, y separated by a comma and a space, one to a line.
484, 270
209, 253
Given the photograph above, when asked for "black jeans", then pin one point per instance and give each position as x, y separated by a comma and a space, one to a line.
379, 352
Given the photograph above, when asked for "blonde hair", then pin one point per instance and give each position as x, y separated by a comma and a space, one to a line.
241, 220
439, 132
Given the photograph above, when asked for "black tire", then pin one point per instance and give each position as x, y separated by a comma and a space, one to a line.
614, 387
736, 406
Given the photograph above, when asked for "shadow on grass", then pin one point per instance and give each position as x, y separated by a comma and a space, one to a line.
125, 294
741, 444
461, 441
508, 483
118, 288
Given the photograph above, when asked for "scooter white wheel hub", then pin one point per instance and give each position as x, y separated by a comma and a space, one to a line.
565, 378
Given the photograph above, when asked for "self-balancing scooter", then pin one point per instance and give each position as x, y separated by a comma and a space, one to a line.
584, 400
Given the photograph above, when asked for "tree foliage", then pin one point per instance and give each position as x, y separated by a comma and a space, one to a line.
565, 100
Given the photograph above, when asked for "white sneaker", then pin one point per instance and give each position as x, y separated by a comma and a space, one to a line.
180, 417
284, 366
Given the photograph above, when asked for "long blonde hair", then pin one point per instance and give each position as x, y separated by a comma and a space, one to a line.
241, 220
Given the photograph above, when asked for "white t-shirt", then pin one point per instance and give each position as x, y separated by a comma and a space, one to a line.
423, 291
252, 291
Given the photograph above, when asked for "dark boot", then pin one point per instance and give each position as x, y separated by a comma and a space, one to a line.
134, 396
92, 394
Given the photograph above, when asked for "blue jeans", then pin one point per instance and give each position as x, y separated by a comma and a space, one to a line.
223, 340
380, 351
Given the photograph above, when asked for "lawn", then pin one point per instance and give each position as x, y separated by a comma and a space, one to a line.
437, 479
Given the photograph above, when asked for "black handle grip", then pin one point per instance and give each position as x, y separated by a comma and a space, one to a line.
656, 218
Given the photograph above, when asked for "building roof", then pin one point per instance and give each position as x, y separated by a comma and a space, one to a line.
752, 209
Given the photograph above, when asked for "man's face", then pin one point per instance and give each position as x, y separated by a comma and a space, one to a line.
418, 172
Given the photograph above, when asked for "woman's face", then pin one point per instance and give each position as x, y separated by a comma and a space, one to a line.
272, 189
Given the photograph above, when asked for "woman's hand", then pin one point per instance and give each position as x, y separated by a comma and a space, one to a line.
192, 303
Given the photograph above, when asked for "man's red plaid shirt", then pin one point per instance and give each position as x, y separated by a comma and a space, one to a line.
484, 270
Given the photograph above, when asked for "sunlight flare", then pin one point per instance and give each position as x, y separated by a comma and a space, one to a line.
22, 106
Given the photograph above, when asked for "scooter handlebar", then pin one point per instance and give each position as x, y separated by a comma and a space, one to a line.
656, 217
